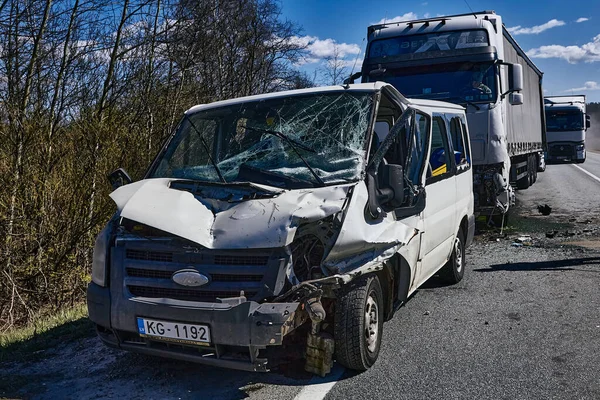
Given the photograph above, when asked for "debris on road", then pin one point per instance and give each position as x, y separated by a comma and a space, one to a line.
521, 241
545, 209
551, 234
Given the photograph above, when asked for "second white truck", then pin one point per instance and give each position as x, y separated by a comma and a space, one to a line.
472, 60
566, 123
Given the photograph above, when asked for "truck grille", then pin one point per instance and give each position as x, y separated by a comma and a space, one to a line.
561, 150
184, 294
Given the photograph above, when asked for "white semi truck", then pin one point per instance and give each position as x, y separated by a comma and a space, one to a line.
566, 123
472, 60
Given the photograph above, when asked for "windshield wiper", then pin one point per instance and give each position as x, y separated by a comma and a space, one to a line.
462, 99
293, 144
206, 148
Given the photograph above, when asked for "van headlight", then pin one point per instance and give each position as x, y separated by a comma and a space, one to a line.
579, 147
100, 259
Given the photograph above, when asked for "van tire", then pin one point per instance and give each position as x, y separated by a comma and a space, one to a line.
359, 305
454, 270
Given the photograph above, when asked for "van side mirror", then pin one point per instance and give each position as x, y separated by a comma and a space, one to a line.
392, 185
515, 99
587, 122
515, 77
118, 178
386, 188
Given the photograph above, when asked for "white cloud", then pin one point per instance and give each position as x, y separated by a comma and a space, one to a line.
317, 50
589, 52
323, 48
534, 30
589, 85
328, 47
582, 19
406, 17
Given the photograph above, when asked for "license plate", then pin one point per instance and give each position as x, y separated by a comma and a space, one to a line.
176, 332
562, 158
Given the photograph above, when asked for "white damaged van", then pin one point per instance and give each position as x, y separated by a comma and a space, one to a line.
296, 219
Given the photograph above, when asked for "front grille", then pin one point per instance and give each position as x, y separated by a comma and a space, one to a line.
236, 278
221, 259
148, 273
561, 150
164, 256
151, 273
184, 294
148, 268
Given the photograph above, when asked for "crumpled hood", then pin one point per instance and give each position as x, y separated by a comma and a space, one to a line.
259, 223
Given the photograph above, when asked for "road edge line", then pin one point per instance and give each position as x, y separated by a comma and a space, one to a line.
586, 172
318, 387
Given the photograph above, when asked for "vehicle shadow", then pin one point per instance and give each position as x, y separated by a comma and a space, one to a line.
65, 361
435, 282
557, 265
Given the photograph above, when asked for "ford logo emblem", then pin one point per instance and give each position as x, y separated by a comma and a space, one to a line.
189, 277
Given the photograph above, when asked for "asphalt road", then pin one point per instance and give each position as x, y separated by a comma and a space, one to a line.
523, 324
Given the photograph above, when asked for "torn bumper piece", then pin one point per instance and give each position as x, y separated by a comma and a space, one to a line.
238, 332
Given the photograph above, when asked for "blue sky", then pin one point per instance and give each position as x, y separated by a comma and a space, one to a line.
567, 51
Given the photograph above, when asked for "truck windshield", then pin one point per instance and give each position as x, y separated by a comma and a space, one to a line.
564, 120
458, 83
288, 141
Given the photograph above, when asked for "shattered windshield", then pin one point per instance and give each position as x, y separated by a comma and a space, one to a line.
291, 142
457, 83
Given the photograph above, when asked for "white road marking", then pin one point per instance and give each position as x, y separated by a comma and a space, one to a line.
585, 172
318, 387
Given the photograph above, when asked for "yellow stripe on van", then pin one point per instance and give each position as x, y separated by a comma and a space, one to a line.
439, 171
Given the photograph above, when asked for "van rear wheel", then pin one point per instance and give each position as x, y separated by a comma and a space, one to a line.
359, 323
454, 270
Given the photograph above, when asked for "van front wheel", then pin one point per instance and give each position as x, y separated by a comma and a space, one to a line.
359, 323
454, 270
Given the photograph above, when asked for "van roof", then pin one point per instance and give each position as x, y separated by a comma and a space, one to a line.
358, 87
436, 104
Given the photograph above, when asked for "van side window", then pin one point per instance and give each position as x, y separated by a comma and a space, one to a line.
439, 162
461, 151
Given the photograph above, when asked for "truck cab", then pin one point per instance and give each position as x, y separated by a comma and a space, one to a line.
305, 216
566, 124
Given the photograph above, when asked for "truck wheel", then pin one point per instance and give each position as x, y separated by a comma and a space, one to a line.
454, 270
534, 170
359, 323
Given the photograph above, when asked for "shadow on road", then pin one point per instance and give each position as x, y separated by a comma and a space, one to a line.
558, 265
58, 363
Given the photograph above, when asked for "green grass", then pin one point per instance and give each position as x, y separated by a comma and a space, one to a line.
45, 332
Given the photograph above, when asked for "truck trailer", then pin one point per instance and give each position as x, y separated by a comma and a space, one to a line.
472, 60
566, 123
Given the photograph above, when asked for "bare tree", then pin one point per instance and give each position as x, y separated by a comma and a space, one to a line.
334, 68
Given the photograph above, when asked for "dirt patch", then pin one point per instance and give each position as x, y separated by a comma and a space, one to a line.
588, 244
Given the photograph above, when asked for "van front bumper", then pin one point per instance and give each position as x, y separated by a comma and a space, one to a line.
238, 332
